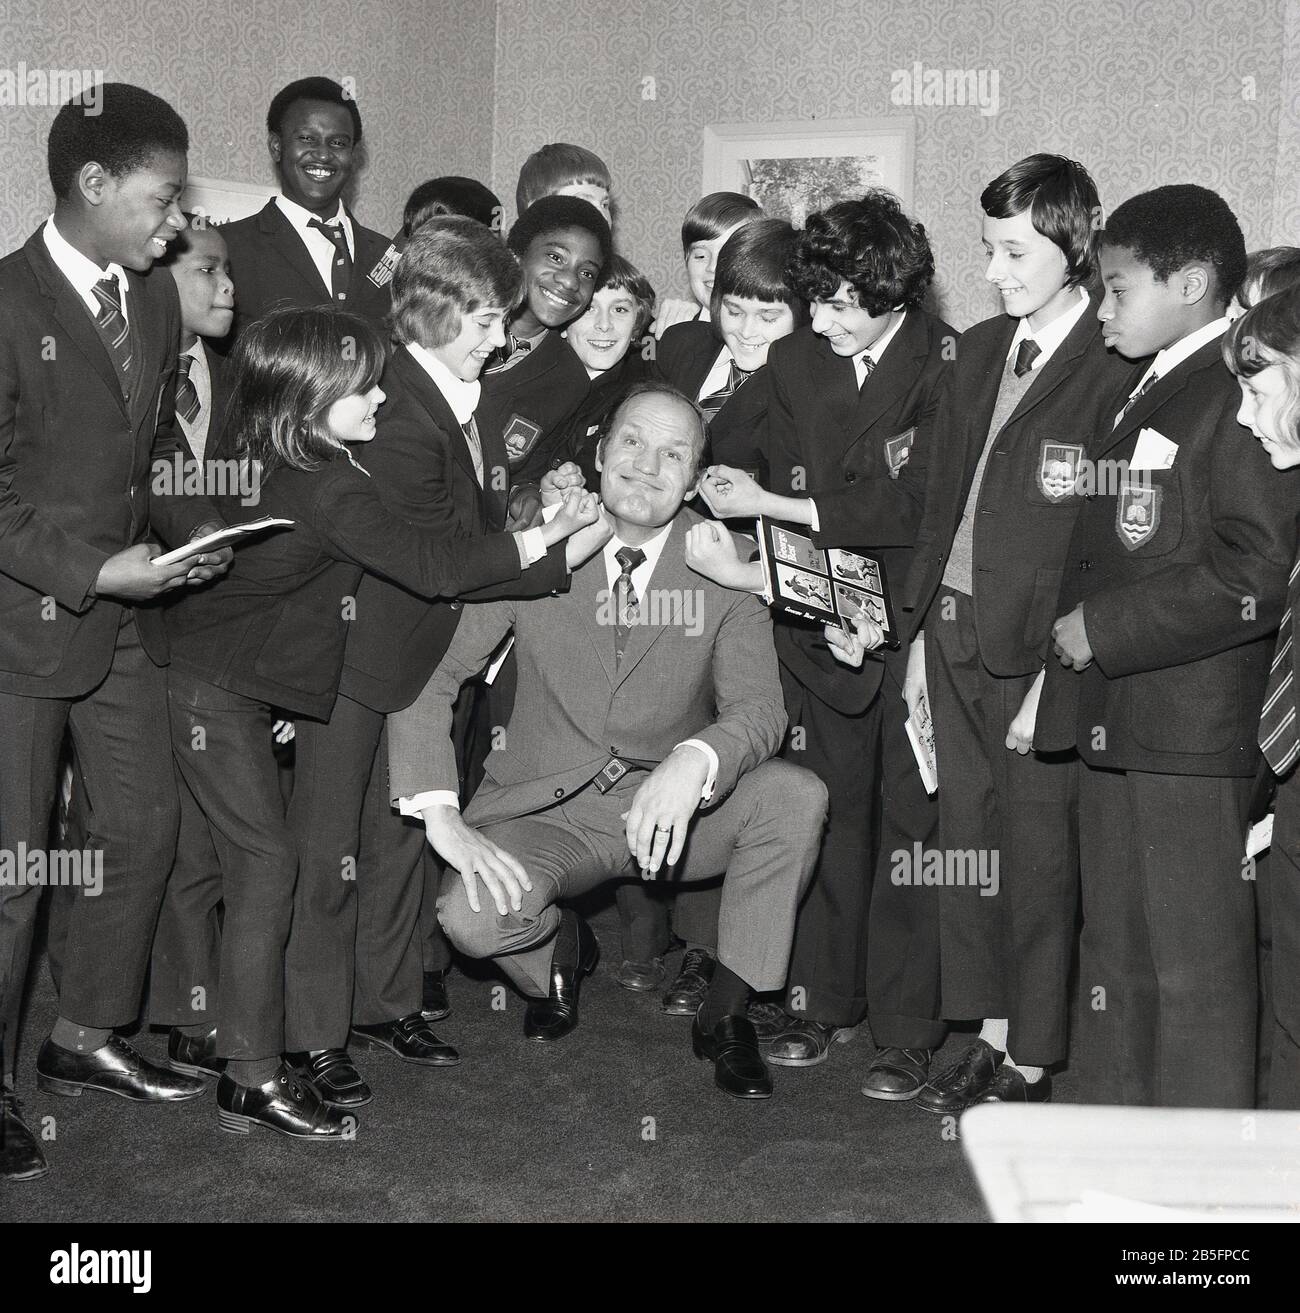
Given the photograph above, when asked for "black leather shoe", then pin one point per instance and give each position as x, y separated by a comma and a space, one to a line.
640, 977
738, 1067
114, 1068
553, 1017
805, 1043
897, 1075
1009, 1086
336, 1080
687, 992
411, 1039
287, 1103
960, 1085
434, 1003
768, 1020
21, 1158
195, 1056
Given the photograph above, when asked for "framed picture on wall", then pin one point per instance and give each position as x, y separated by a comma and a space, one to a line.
794, 169
223, 202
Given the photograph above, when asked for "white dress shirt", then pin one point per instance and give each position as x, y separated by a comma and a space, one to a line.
323, 252
81, 271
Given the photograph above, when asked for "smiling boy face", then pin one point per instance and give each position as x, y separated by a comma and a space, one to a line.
313, 154
138, 213
561, 269
602, 336
202, 276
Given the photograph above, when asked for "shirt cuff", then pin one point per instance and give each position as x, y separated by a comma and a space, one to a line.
413, 806
815, 522
711, 779
532, 546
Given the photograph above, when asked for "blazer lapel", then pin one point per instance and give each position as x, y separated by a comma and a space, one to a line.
589, 594
891, 378
429, 395
288, 242
71, 312
1161, 391
1062, 363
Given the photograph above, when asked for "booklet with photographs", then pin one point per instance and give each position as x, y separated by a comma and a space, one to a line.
829, 585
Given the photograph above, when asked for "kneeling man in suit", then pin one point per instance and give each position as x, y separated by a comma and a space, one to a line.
648, 713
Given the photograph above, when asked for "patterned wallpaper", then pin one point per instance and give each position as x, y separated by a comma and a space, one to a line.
1144, 92
423, 77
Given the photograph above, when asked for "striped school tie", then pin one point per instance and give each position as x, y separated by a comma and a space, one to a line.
715, 401
627, 604
341, 271
187, 395
1026, 353
506, 357
1147, 384
1279, 737
112, 324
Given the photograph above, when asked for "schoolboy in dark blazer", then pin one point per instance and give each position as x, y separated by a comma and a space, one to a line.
685, 356
534, 384
289, 252
609, 339
1012, 434
720, 364
850, 395
451, 296
88, 356
1175, 582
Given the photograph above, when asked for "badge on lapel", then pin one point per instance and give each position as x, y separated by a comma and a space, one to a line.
897, 451
520, 436
382, 274
1137, 517
1058, 469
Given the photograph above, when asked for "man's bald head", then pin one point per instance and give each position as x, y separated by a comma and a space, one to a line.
651, 455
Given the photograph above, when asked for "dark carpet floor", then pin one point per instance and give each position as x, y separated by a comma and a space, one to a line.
617, 1123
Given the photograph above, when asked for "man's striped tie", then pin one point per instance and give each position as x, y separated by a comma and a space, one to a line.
112, 324
1279, 737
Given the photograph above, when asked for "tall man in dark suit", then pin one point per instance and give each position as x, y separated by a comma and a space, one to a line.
87, 359
646, 695
305, 247
1175, 582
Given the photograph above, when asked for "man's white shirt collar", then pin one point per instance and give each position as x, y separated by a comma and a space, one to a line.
653, 550
462, 397
81, 271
